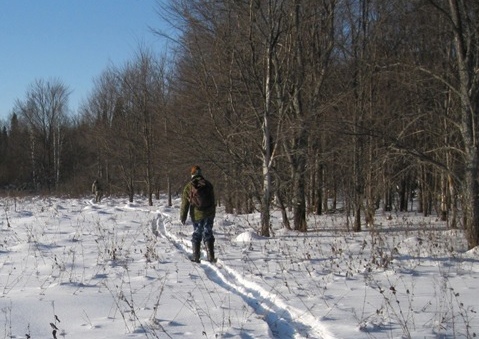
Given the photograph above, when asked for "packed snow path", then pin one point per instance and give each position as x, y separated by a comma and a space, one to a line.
284, 321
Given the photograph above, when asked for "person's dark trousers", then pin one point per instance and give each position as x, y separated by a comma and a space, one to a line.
203, 231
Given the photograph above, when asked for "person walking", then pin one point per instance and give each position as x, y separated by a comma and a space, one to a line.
97, 190
198, 199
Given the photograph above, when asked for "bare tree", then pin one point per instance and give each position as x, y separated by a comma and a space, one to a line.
44, 111
144, 90
309, 43
465, 27
98, 115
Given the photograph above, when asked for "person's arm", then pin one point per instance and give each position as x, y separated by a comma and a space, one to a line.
185, 204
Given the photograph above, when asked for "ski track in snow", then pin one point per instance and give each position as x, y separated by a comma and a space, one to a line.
283, 320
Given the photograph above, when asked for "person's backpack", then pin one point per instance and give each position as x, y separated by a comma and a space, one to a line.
201, 193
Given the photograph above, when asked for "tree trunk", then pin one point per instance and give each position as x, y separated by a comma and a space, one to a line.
467, 57
299, 207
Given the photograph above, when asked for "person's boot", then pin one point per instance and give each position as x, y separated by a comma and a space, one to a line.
196, 252
210, 249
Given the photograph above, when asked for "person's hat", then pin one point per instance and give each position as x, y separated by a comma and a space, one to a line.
195, 170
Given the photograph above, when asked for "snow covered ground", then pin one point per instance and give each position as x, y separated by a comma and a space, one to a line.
70, 268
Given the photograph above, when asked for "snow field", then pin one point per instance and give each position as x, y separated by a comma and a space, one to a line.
120, 270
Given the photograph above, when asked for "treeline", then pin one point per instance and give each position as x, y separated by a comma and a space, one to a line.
298, 104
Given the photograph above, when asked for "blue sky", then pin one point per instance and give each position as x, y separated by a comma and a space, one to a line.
70, 40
